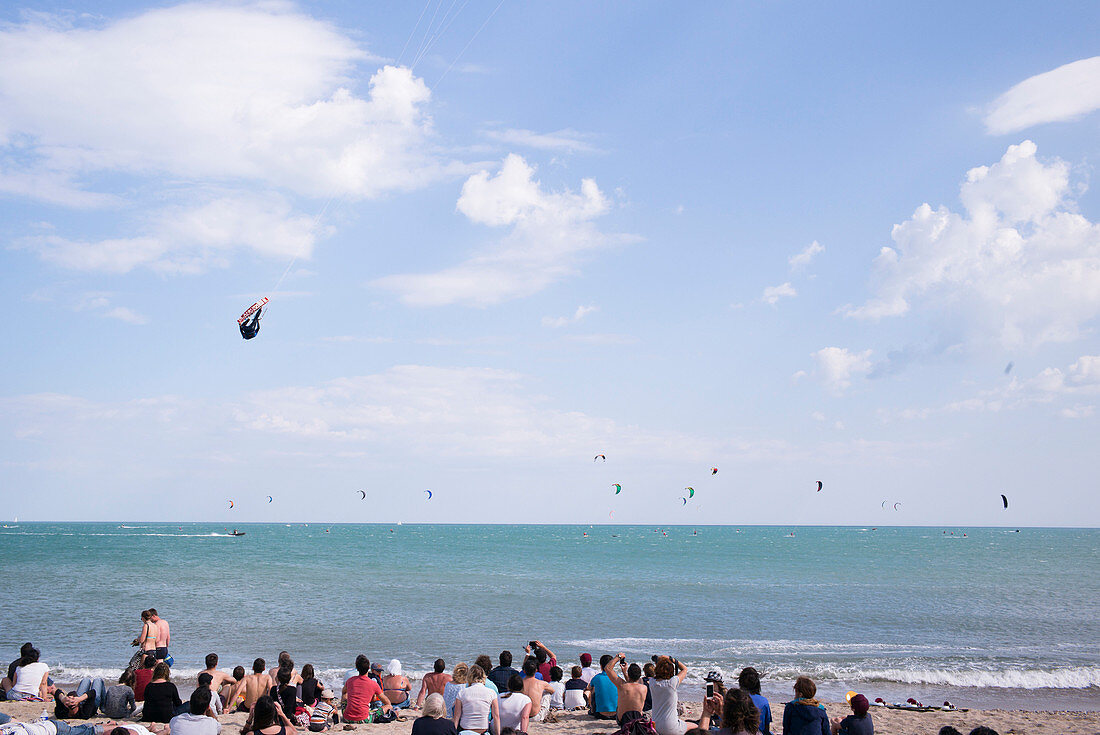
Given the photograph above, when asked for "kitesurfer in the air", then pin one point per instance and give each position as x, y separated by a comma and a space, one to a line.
251, 327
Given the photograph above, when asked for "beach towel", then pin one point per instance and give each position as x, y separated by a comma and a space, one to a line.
636, 723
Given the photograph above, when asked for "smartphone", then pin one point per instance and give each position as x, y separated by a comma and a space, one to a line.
710, 691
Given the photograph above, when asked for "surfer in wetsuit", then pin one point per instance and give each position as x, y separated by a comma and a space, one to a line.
251, 327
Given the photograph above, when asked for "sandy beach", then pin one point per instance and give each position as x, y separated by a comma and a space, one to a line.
887, 722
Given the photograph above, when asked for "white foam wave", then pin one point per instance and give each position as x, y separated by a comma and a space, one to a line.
1074, 677
740, 647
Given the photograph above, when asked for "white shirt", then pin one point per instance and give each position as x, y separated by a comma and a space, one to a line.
574, 698
588, 672
28, 678
666, 696
511, 709
558, 696
29, 728
189, 724
477, 704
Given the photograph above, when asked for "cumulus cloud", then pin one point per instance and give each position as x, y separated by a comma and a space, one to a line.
100, 302
1065, 93
550, 233
562, 141
561, 321
837, 366
802, 259
1021, 262
772, 294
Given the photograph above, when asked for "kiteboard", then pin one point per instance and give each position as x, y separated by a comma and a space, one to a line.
252, 310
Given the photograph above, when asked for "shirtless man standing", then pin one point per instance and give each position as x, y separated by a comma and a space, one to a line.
433, 683
163, 634
256, 684
538, 690
631, 690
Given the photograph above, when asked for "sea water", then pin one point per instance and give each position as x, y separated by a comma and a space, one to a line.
982, 616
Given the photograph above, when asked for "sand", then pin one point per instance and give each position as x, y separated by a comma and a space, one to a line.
887, 722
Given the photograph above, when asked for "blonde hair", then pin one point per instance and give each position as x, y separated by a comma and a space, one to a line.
476, 675
434, 706
458, 676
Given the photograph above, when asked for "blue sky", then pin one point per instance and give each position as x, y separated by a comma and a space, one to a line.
790, 241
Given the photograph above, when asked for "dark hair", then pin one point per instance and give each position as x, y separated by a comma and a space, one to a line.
804, 687
505, 658
604, 659
60, 710
483, 661
205, 679
149, 661
126, 678
739, 714
983, 730
749, 679
555, 673
200, 700
665, 669
284, 657
152, 611
162, 671
307, 672
238, 672
263, 715
439, 666
507, 731
30, 657
211, 660
633, 672
145, 616
540, 656
259, 665
515, 683
362, 664
530, 667
283, 677
576, 672
120, 730
649, 669
24, 648
948, 730
697, 731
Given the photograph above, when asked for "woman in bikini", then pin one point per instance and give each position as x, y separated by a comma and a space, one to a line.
396, 687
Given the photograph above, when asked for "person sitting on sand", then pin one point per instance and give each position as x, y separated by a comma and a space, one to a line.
286, 662
749, 680
255, 685
631, 691
603, 697
433, 683
515, 706
195, 721
648, 672
476, 707
217, 676
857, 723
574, 697
454, 686
215, 701
360, 692
310, 688
323, 713
23, 651
432, 721
665, 689
538, 690
396, 687
714, 680
805, 715
232, 692
557, 698
544, 657
82, 704
501, 674
30, 680
284, 692
266, 717
486, 664
162, 699
734, 710
587, 669
118, 701
143, 676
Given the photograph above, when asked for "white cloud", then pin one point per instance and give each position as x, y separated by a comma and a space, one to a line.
803, 258
772, 294
561, 321
837, 366
124, 314
550, 233
564, 141
1021, 262
100, 302
1065, 93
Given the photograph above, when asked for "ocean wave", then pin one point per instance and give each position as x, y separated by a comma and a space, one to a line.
1073, 677
740, 647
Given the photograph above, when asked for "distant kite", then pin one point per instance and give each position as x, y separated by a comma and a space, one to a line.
269, 498
429, 492
896, 505
1005, 501
1008, 367
714, 470
362, 493
819, 485
684, 499
230, 504
610, 514
691, 491
599, 456
618, 488
884, 502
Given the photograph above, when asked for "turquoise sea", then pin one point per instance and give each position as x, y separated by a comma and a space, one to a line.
992, 618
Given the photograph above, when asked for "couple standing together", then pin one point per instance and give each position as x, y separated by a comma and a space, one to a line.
154, 637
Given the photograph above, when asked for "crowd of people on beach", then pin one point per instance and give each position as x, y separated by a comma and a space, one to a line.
472, 699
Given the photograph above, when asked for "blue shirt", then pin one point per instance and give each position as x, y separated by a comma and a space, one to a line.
605, 697
765, 709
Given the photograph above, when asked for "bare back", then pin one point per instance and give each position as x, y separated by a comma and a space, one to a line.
436, 683
255, 686
535, 689
631, 697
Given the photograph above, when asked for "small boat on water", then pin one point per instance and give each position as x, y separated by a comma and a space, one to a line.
237, 533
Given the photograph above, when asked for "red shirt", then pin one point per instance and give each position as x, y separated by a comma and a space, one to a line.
141, 678
545, 668
361, 691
